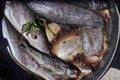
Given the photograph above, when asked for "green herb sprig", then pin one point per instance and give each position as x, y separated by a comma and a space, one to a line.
32, 27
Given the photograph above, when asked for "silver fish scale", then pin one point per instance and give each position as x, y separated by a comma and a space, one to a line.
65, 13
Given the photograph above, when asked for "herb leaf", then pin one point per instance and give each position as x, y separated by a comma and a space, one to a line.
33, 27
41, 21
30, 27
26, 27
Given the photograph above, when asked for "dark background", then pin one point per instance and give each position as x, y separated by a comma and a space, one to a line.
10, 71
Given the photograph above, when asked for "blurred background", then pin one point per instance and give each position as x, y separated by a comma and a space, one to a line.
10, 71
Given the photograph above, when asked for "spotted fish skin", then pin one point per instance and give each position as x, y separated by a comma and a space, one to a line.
50, 68
89, 4
61, 12
93, 45
18, 14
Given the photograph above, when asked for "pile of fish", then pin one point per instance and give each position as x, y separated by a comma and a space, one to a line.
70, 38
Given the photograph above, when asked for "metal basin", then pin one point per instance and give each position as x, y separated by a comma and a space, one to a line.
114, 39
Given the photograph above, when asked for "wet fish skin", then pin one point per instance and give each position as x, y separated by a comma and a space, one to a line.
53, 64
89, 4
68, 47
92, 45
21, 57
46, 66
18, 14
64, 13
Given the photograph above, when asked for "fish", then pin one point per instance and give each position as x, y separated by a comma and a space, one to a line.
92, 45
61, 12
18, 14
89, 4
48, 67
69, 47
